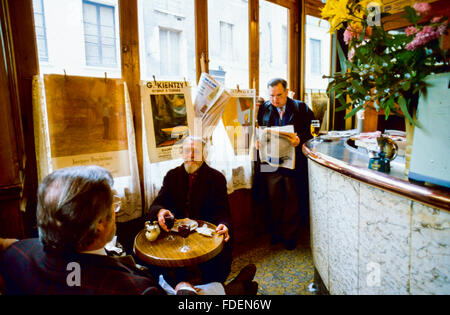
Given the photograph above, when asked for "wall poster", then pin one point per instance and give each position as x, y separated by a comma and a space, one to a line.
168, 117
238, 119
87, 123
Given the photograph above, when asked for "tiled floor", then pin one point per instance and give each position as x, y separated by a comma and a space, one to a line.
279, 271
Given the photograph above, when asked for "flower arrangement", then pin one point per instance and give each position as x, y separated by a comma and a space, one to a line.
384, 69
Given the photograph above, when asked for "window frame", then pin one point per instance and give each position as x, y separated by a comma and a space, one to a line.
42, 58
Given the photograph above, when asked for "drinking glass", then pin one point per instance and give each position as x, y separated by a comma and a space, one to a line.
315, 128
169, 220
184, 230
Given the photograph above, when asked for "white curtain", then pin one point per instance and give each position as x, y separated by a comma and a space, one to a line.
220, 155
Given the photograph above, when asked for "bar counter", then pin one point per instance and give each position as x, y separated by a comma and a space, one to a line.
372, 232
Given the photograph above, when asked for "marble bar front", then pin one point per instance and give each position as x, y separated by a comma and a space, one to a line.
375, 233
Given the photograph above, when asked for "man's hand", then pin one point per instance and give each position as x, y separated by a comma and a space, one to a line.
161, 220
184, 285
222, 229
257, 144
295, 141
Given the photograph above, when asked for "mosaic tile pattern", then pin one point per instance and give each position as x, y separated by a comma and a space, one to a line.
278, 271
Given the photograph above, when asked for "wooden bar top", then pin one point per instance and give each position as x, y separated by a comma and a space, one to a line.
338, 156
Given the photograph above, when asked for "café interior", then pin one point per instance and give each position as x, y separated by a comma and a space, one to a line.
83, 80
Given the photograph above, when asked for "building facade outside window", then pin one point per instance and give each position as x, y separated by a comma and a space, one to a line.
273, 43
317, 64
228, 42
167, 40
78, 37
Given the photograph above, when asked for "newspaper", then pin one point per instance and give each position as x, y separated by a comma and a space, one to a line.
208, 92
168, 117
209, 105
275, 147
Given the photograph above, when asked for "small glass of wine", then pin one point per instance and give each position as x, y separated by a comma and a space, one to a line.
169, 220
184, 230
315, 128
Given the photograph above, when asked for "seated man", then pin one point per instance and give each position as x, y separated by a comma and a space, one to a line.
196, 191
76, 219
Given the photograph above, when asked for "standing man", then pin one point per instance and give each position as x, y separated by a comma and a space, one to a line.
287, 190
196, 191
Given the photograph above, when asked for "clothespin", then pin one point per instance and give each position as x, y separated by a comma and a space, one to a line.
237, 85
154, 78
106, 77
65, 74
185, 82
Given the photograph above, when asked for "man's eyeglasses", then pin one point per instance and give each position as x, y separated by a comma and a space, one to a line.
116, 203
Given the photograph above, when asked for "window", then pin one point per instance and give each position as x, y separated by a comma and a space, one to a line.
269, 31
317, 63
169, 43
284, 40
167, 40
273, 43
226, 40
99, 34
315, 55
41, 33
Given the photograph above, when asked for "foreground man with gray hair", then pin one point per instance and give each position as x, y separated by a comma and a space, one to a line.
76, 219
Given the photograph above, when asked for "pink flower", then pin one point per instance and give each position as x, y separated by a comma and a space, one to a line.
422, 8
351, 53
436, 19
426, 35
355, 31
348, 35
441, 28
410, 30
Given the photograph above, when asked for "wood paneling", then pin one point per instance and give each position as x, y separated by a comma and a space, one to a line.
253, 27
129, 43
9, 160
18, 177
201, 36
312, 7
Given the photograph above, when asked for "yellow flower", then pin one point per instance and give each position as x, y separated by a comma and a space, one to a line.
338, 11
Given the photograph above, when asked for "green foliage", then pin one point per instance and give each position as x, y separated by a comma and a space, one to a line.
384, 72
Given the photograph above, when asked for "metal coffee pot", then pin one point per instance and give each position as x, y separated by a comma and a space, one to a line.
388, 146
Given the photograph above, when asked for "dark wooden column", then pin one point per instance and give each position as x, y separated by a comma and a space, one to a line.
21, 56
254, 54
201, 36
131, 72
